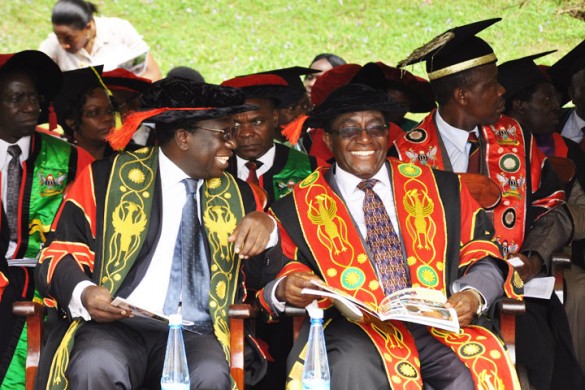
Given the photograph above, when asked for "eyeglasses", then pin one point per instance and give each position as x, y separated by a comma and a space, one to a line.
353, 131
20, 99
227, 133
99, 112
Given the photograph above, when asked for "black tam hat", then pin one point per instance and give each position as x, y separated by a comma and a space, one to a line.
46, 73
174, 99
352, 98
454, 51
521, 73
563, 70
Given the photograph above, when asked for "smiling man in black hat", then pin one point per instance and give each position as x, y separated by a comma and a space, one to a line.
35, 169
139, 234
353, 226
468, 133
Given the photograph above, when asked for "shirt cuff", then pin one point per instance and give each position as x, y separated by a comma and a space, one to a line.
274, 235
458, 288
76, 308
278, 305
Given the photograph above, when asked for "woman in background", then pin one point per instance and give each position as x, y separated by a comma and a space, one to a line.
80, 39
322, 62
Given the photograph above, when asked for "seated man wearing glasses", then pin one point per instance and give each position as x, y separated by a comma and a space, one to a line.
370, 226
35, 170
168, 230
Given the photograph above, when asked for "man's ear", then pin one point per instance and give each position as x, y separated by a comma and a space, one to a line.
182, 139
275, 116
519, 107
460, 96
71, 124
328, 140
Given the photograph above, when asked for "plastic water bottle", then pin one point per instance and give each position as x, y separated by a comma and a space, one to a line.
175, 375
316, 370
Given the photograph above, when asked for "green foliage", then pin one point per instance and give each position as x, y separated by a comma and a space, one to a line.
224, 38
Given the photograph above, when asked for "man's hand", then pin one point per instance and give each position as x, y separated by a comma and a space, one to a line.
465, 304
289, 289
252, 234
98, 302
531, 268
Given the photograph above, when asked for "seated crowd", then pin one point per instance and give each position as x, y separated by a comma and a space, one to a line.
187, 197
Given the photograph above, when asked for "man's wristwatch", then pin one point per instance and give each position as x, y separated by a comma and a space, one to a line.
479, 300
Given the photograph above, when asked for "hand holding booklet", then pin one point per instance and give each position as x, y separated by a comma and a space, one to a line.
418, 305
143, 312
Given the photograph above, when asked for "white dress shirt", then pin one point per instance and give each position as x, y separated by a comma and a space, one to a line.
455, 141
267, 160
5, 158
573, 126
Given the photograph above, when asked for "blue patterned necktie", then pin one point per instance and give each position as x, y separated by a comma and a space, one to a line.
383, 241
189, 280
14, 176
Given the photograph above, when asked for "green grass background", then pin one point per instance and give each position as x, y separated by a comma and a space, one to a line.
224, 38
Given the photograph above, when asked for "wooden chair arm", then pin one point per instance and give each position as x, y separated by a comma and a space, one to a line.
560, 262
35, 316
237, 314
508, 309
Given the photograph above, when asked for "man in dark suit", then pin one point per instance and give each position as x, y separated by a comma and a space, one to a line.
334, 229
124, 225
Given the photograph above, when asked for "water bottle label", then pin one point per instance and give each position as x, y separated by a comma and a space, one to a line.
315, 384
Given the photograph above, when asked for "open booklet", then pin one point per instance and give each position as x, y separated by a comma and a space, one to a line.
419, 305
135, 64
143, 312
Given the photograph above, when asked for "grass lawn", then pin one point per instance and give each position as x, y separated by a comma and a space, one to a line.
224, 38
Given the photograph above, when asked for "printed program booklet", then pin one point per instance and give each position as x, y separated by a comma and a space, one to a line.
419, 305
143, 312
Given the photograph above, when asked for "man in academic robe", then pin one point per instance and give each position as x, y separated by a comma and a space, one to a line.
35, 170
126, 230
371, 226
260, 157
468, 133
533, 101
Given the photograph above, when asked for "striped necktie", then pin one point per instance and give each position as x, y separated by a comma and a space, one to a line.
383, 241
473, 164
14, 177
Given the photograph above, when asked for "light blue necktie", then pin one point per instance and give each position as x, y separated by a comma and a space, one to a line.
189, 280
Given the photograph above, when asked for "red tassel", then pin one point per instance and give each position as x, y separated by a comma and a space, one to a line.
119, 137
292, 132
52, 118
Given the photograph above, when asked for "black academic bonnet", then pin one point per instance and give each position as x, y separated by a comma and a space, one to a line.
519, 74
46, 72
74, 84
192, 100
562, 71
454, 51
352, 98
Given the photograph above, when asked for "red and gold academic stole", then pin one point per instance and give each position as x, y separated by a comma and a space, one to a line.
344, 264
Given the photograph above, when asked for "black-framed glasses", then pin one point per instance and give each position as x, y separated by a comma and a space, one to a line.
353, 131
20, 99
227, 134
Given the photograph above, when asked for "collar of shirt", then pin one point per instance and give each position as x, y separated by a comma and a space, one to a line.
456, 137
24, 144
573, 126
267, 160
173, 175
354, 197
